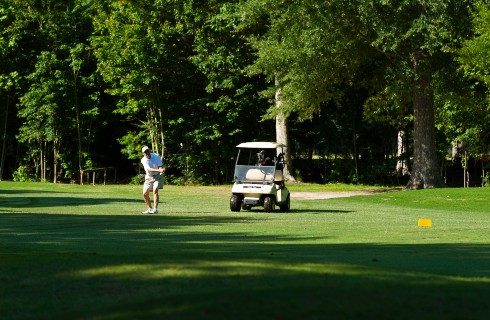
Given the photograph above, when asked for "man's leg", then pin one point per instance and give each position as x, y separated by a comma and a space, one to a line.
156, 198
146, 195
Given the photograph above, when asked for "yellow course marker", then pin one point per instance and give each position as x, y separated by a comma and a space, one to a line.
427, 223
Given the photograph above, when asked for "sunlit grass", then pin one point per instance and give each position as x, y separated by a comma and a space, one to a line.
233, 268
336, 187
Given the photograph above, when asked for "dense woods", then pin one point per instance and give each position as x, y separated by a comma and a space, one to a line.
391, 92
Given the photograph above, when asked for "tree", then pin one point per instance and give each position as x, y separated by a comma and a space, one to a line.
302, 57
474, 57
176, 69
40, 109
193, 79
418, 39
327, 44
231, 101
282, 133
15, 60
61, 99
8, 83
141, 51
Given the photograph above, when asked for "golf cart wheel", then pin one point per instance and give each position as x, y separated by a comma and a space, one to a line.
235, 203
286, 205
268, 204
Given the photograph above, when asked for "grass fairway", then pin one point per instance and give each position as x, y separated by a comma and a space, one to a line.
86, 252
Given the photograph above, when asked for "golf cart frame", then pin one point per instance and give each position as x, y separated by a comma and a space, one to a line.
259, 178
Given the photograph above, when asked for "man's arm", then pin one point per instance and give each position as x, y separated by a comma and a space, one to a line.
148, 169
160, 169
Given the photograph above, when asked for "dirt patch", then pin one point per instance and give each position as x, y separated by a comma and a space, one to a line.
328, 195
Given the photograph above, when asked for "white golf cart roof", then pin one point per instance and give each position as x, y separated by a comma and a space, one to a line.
260, 145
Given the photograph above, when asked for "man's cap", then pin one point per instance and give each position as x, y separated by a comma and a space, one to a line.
144, 149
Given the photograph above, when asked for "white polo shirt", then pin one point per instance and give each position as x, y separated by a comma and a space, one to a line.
153, 162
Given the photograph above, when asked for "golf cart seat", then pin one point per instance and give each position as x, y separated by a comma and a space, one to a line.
256, 175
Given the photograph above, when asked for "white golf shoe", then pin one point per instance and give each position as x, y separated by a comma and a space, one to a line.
149, 210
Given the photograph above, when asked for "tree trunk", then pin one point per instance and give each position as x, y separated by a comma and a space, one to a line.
456, 152
55, 162
4, 140
401, 163
153, 129
482, 173
355, 155
79, 129
162, 136
282, 135
425, 171
466, 177
42, 161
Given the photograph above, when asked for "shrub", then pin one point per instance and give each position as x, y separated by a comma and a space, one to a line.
138, 179
486, 180
22, 174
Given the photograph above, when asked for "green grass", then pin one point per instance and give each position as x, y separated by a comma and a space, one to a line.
85, 252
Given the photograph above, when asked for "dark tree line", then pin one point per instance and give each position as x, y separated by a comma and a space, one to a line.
358, 88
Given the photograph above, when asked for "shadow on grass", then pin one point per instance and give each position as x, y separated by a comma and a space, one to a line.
59, 201
23, 191
135, 267
309, 211
318, 211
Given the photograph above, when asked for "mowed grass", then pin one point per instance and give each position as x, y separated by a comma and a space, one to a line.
86, 252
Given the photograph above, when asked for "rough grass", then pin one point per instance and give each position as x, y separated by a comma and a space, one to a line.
85, 252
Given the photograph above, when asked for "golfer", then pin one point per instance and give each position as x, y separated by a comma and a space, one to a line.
153, 165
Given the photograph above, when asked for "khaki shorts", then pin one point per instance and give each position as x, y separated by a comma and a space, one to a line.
153, 182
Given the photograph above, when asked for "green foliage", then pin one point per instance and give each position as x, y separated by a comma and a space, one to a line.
486, 180
474, 58
40, 106
307, 55
138, 179
463, 116
80, 75
58, 94
142, 52
391, 49
132, 143
23, 174
176, 71
475, 54
221, 55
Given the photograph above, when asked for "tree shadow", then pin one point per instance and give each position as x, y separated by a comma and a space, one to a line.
319, 211
309, 211
60, 201
164, 266
22, 191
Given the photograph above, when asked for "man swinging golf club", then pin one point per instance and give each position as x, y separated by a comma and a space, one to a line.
154, 169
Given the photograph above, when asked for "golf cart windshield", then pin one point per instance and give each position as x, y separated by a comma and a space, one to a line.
255, 165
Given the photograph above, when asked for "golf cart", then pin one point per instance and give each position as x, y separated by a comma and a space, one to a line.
259, 179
